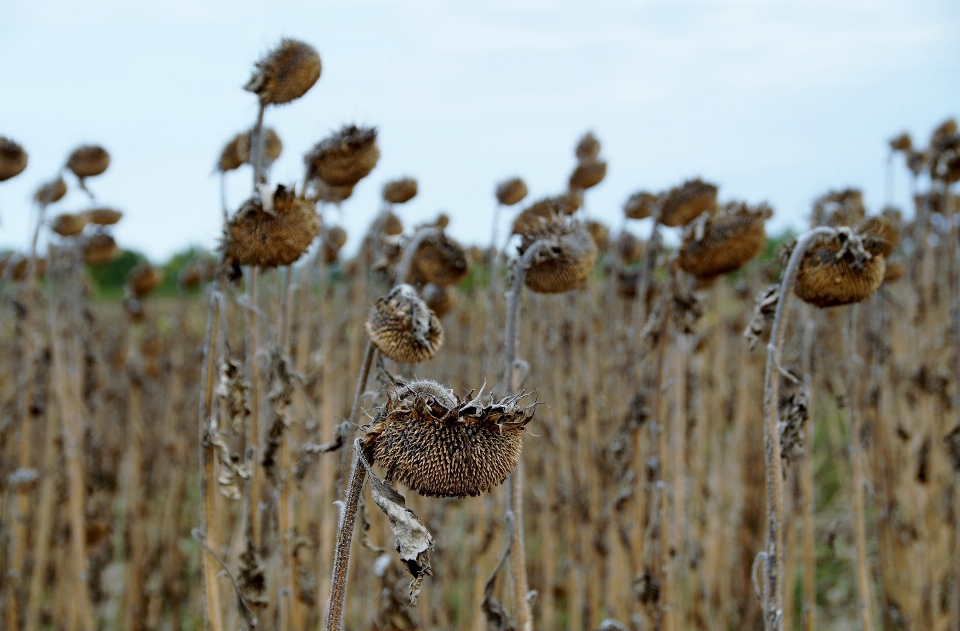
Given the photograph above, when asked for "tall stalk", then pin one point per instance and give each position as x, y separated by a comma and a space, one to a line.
859, 478
806, 484
253, 431
773, 554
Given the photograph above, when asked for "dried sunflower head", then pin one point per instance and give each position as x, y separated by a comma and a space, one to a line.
721, 243
599, 232
403, 327
51, 192
837, 270
344, 158
99, 248
544, 211
103, 216
440, 299
512, 191
440, 259
430, 440
285, 73
69, 224
903, 142
143, 279
230, 155
88, 161
565, 255
686, 202
198, 271
839, 208
391, 224
13, 159
400, 191
880, 235
588, 174
271, 237
333, 240
272, 147
640, 205
629, 248
588, 148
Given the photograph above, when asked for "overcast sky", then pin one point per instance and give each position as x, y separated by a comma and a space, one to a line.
775, 101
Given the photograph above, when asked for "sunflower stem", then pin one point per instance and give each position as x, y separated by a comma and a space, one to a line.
773, 559
341, 555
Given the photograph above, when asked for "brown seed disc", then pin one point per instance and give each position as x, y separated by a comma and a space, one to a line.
639, 205
286, 73
143, 279
51, 192
271, 239
272, 147
588, 174
69, 224
13, 159
400, 191
728, 241
345, 158
440, 299
683, 204
826, 281
511, 191
103, 216
564, 258
88, 161
588, 148
99, 249
403, 328
544, 211
441, 260
439, 446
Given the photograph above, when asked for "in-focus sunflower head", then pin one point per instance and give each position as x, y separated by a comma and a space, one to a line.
271, 237
684, 203
725, 242
512, 191
403, 328
400, 191
344, 158
285, 73
439, 445
565, 255
13, 159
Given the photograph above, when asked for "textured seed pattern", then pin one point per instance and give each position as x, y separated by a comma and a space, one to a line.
724, 243
403, 328
439, 446
271, 239
286, 73
441, 260
344, 158
564, 258
686, 202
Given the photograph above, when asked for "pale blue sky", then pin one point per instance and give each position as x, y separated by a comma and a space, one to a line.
774, 101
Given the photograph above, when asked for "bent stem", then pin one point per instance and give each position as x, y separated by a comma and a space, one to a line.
773, 559
518, 566
341, 555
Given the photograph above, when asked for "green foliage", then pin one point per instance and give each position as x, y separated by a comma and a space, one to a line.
110, 277
172, 268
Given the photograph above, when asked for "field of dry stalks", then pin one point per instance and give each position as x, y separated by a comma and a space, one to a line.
719, 434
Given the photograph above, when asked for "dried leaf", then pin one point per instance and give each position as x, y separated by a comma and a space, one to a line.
498, 619
413, 540
232, 389
763, 312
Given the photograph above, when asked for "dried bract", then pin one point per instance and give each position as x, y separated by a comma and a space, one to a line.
717, 244
344, 158
684, 203
512, 191
13, 159
442, 446
285, 73
400, 191
565, 255
88, 161
403, 327
271, 237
